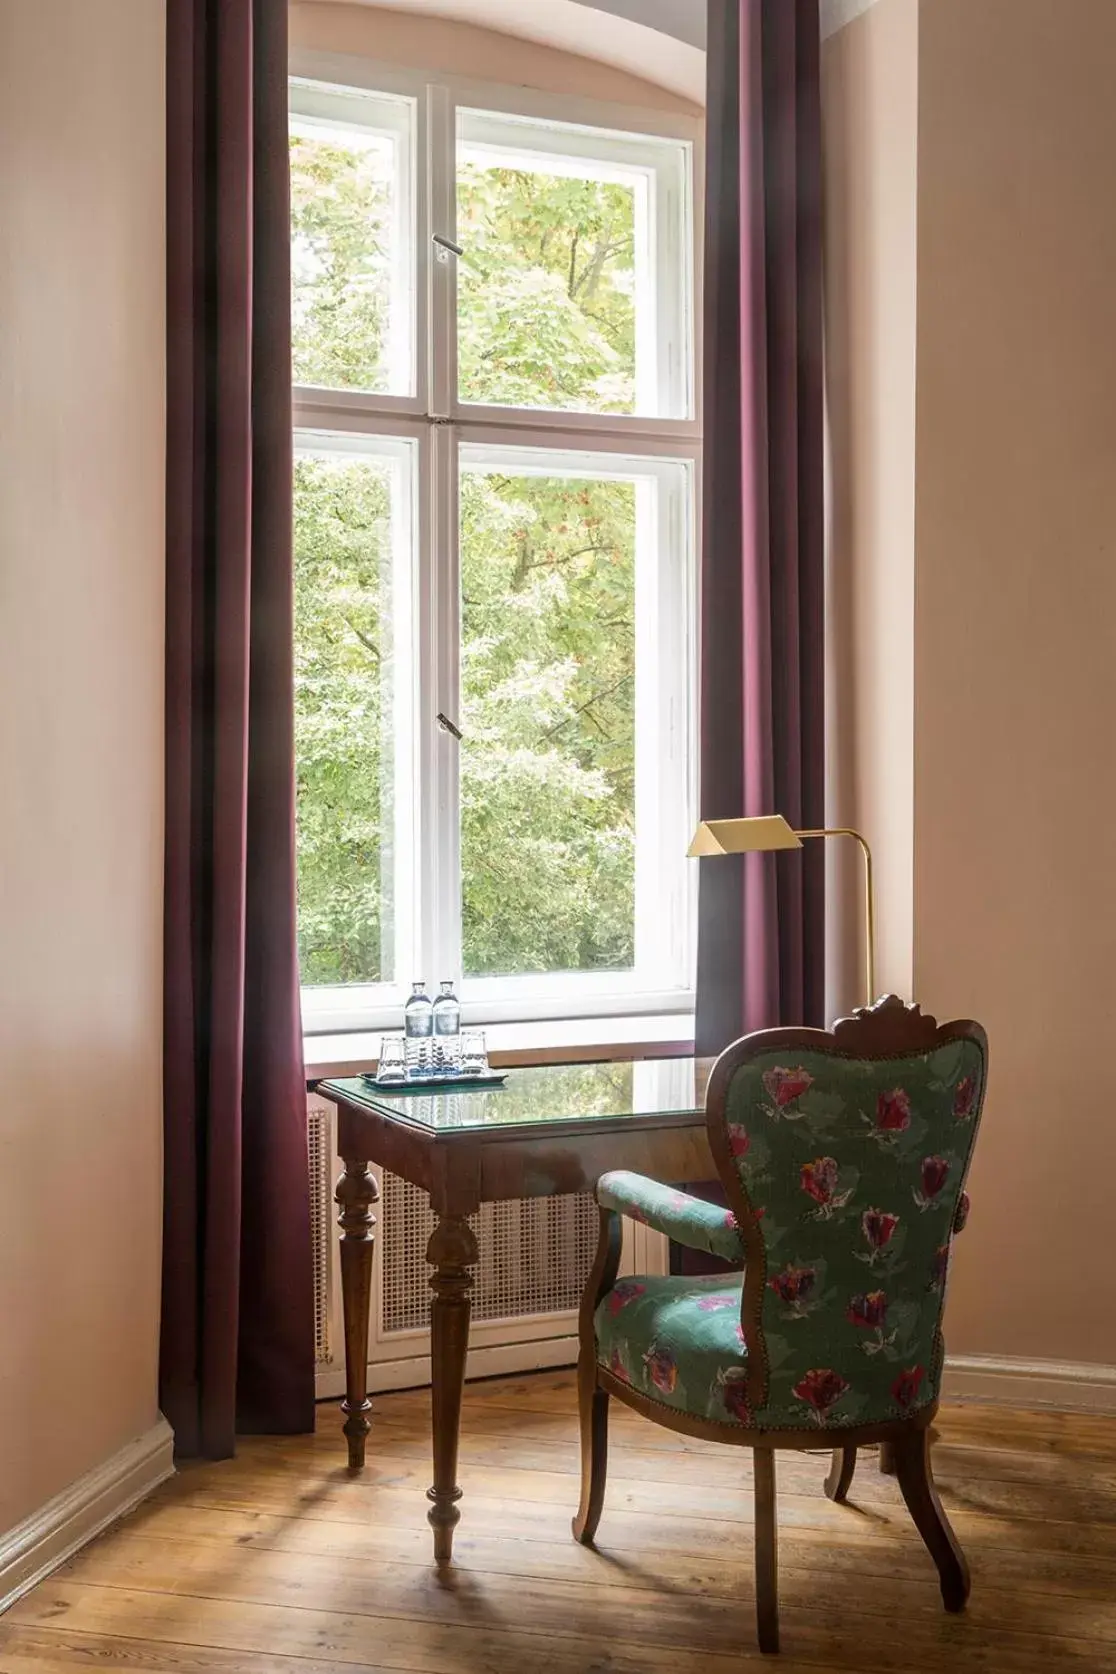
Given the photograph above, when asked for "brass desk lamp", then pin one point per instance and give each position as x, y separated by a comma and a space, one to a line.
768, 832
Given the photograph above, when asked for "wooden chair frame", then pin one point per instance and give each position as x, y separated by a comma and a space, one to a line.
890, 1029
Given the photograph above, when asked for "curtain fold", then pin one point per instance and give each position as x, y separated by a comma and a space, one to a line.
761, 917
236, 1345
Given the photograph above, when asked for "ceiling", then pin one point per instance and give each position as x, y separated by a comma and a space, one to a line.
660, 40
663, 41
683, 19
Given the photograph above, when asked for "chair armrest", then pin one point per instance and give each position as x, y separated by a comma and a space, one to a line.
688, 1220
962, 1214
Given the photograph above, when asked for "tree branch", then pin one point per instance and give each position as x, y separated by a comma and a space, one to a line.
566, 558
594, 267
581, 709
571, 279
369, 644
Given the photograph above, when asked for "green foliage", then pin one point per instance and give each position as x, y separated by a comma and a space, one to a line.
546, 291
547, 764
342, 708
548, 659
341, 204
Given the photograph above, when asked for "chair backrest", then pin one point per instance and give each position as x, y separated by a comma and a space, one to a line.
844, 1155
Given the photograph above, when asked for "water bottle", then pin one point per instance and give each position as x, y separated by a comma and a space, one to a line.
447, 1030
418, 1027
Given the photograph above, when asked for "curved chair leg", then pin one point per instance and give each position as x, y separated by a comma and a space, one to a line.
767, 1539
887, 1459
839, 1480
916, 1483
593, 1409
592, 1401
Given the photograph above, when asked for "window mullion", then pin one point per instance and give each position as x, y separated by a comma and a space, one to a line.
445, 895
441, 199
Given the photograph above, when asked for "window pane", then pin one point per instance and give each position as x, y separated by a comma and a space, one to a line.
548, 696
347, 637
350, 258
546, 287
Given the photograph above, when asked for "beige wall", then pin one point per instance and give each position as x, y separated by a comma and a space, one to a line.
1015, 794
1013, 848
870, 110
445, 47
81, 555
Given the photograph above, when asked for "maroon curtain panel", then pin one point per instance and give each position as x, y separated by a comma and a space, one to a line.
237, 1322
761, 917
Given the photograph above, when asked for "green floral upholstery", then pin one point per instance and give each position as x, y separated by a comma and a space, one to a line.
688, 1220
678, 1341
854, 1170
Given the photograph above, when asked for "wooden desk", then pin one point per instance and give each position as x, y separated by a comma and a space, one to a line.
548, 1131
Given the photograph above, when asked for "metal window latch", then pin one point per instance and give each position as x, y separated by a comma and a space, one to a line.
446, 247
447, 725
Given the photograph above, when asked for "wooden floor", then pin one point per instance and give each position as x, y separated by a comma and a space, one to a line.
280, 1563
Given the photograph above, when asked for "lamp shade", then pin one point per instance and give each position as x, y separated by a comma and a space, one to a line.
758, 835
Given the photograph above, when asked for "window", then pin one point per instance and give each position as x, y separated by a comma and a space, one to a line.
495, 478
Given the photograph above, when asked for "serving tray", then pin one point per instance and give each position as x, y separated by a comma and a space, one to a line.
437, 1083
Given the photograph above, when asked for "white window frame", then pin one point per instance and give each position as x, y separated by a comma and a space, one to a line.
664, 362
397, 117
404, 457
435, 424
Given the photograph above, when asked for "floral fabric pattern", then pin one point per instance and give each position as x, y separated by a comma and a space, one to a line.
855, 1170
688, 1220
678, 1341
865, 1187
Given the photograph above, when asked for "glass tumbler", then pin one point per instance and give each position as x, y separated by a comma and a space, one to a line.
393, 1059
474, 1057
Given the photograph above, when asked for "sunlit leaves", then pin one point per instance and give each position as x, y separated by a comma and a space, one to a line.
547, 765
545, 291
342, 702
341, 205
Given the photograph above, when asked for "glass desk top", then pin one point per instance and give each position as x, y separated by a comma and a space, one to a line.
548, 1093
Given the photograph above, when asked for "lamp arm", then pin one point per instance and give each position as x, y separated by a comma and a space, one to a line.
869, 901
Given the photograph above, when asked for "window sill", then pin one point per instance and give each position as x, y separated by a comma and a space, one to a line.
572, 1041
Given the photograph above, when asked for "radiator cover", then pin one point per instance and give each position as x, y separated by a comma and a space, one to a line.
535, 1255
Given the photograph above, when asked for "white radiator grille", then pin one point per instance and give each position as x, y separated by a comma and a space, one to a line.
318, 1139
535, 1255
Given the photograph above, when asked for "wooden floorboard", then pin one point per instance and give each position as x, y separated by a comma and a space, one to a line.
279, 1562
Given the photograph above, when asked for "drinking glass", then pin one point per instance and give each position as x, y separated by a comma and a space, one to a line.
474, 1057
419, 1054
447, 1055
393, 1059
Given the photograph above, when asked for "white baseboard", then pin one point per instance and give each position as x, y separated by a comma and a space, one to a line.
1058, 1385
35, 1547
1061, 1385
495, 1361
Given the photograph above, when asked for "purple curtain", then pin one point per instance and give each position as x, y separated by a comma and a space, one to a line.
761, 919
237, 1323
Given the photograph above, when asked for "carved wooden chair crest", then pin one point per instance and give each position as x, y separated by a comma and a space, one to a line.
843, 1154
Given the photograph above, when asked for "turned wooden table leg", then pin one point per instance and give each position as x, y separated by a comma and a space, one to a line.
356, 1192
451, 1252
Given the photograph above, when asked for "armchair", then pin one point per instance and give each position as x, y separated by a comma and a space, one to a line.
843, 1154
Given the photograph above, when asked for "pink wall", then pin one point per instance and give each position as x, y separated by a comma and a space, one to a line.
871, 166
1007, 462
1015, 794
81, 692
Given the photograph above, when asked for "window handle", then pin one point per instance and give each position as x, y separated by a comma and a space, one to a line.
447, 725
445, 246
